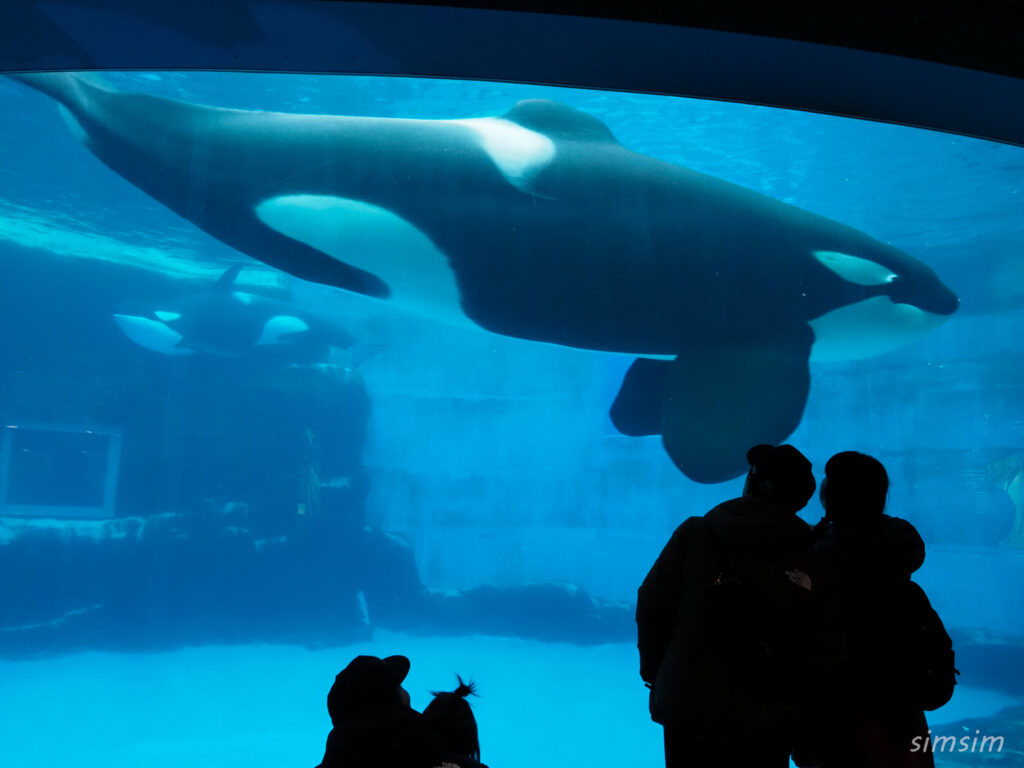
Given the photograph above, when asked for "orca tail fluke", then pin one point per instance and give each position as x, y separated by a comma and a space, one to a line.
73, 92
716, 401
65, 87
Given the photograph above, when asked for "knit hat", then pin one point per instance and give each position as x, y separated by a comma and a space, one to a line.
787, 470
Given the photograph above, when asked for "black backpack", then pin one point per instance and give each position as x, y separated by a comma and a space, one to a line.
922, 667
902, 656
756, 623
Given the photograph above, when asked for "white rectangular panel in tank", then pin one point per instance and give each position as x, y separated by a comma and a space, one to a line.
59, 471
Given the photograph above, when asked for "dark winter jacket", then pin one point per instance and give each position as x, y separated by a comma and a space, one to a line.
389, 737
873, 564
383, 737
690, 689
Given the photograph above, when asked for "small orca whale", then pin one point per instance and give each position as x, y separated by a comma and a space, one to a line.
228, 322
540, 225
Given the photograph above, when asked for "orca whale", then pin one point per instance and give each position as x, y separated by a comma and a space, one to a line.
229, 322
539, 225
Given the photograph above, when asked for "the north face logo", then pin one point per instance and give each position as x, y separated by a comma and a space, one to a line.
799, 578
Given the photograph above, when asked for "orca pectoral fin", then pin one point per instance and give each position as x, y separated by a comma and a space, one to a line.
637, 408
720, 400
226, 282
360, 353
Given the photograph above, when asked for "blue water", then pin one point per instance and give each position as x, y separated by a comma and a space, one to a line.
472, 505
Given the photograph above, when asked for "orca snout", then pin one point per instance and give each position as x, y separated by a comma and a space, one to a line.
929, 294
945, 302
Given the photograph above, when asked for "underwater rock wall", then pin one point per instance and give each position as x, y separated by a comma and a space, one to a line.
494, 458
239, 506
533, 484
498, 459
240, 509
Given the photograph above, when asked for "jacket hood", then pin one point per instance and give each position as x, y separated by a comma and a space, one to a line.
885, 550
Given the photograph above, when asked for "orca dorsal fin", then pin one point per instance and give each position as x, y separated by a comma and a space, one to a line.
558, 121
227, 279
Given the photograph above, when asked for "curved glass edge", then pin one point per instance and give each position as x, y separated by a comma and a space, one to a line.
513, 46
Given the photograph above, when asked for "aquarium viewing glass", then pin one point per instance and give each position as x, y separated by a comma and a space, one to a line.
316, 387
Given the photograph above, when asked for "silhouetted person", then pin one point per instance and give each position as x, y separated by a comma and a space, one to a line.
451, 717
736, 620
900, 657
374, 726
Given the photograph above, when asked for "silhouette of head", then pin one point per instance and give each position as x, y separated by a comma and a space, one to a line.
854, 488
451, 717
368, 682
779, 474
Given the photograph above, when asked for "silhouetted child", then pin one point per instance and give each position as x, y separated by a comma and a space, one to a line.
451, 717
374, 726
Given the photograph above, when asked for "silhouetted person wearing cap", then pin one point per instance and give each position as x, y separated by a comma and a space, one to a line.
374, 726
891, 628
736, 620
